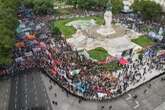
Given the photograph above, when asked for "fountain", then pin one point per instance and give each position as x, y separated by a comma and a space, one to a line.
107, 29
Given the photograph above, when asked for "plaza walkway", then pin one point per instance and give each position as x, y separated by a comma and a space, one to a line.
150, 96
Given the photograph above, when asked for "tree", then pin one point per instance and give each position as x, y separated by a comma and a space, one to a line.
97, 4
150, 10
86, 4
117, 6
40, 7
101, 4
8, 22
72, 2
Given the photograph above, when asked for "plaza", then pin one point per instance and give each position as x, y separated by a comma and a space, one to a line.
84, 55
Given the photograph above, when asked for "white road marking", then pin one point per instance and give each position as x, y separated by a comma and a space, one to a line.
7, 90
137, 105
15, 106
26, 101
16, 92
26, 96
16, 82
16, 87
129, 97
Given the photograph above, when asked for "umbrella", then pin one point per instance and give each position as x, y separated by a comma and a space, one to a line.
123, 61
53, 72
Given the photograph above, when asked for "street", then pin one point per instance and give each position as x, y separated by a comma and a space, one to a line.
32, 90
28, 92
4, 95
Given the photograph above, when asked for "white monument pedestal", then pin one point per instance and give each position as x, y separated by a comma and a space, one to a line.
107, 29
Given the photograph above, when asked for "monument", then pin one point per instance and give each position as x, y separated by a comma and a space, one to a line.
126, 8
111, 37
107, 29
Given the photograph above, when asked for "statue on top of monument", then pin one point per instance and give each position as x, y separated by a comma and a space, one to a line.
107, 29
108, 14
109, 6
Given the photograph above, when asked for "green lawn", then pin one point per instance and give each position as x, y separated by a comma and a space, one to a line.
68, 31
143, 41
98, 53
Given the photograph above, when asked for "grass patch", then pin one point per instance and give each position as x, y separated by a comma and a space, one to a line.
98, 53
68, 31
143, 41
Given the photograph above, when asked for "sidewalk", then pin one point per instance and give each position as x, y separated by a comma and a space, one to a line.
65, 101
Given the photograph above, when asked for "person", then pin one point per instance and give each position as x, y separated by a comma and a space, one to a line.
53, 102
149, 85
145, 91
135, 96
50, 87
56, 103
102, 107
55, 95
110, 107
79, 101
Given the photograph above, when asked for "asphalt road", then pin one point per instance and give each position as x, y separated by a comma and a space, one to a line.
28, 92
4, 94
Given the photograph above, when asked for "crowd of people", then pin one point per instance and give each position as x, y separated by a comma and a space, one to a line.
37, 47
133, 21
84, 77
32, 35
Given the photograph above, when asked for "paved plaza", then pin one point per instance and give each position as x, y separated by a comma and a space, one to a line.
150, 96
